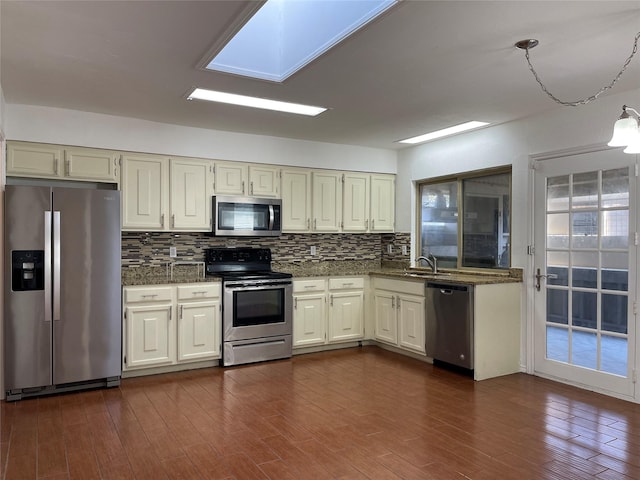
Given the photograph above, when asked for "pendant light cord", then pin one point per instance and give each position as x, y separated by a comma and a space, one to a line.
592, 97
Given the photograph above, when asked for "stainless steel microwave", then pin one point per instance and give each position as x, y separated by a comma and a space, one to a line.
246, 216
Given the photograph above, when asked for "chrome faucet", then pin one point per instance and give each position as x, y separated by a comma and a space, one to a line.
431, 260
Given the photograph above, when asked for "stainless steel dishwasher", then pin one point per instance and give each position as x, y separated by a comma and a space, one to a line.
449, 323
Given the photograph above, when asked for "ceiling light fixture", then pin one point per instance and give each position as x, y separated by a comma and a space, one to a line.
626, 132
463, 127
530, 43
254, 102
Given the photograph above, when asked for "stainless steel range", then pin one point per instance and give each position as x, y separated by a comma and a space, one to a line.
257, 305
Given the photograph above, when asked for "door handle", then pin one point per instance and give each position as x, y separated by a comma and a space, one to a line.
550, 276
56, 265
47, 266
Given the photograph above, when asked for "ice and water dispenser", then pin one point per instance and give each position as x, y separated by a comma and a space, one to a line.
27, 270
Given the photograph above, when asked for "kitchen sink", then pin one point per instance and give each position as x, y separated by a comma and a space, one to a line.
429, 275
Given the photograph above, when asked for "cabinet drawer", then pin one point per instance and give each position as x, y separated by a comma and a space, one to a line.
405, 286
195, 292
346, 283
300, 286
148, 294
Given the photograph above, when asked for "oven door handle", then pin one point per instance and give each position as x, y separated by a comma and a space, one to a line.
260, 286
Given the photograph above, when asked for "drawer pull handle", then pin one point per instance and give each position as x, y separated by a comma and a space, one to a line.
150, 296
202, 292
347, 284
309, 286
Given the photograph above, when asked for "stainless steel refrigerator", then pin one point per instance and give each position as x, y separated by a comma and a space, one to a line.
62, 319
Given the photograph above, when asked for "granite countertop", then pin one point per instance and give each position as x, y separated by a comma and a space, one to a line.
514, 275
192, 272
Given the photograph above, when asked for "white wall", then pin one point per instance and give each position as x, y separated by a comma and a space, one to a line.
71, 127
562, 128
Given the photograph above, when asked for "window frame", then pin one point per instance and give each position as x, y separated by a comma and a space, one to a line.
459, 178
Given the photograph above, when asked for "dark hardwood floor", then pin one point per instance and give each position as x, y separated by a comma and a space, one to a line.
349, 414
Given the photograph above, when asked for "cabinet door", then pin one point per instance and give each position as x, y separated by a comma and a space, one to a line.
346, 316
190, 197
355, 202
327, 202
382, 203
33, 160
91, 164
264, 181
309, 320
150, 336
296, 201
230, 179
412, 323
386, 327
198, 331
144, 186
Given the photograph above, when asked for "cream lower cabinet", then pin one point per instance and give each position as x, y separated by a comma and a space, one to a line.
309, 312
346, 309
166, 325
327, 311
399, 313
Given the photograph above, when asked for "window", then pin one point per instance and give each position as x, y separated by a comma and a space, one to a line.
465, 221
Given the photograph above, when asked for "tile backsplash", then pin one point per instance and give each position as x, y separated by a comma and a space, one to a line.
140, 248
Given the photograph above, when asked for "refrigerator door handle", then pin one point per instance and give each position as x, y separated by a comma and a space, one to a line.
47, 266
56, 266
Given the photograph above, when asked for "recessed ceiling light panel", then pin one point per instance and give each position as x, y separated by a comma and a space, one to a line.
444, 132
254, 102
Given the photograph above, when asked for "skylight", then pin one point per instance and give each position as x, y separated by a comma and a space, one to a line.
285, 35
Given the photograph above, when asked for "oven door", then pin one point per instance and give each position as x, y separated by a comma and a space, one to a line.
257, 310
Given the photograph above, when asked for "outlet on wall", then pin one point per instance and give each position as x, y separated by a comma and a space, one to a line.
404, 250
173, 252
313, 250
389, 249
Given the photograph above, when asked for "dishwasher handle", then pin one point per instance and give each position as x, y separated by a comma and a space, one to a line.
448, 288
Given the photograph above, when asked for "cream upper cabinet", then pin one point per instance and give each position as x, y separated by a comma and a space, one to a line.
355, 202
382, 203
34, 159
296, 200
326, 201
145, 183
91, 164
264, 181
230, 178
190, 197
39, 160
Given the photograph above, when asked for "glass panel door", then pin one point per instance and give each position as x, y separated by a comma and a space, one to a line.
585, 264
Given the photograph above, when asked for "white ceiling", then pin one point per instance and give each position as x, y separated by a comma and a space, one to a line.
423, 66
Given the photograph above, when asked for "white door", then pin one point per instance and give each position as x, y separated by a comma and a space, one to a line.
586, 261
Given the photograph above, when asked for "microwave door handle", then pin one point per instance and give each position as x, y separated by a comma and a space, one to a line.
271, 217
